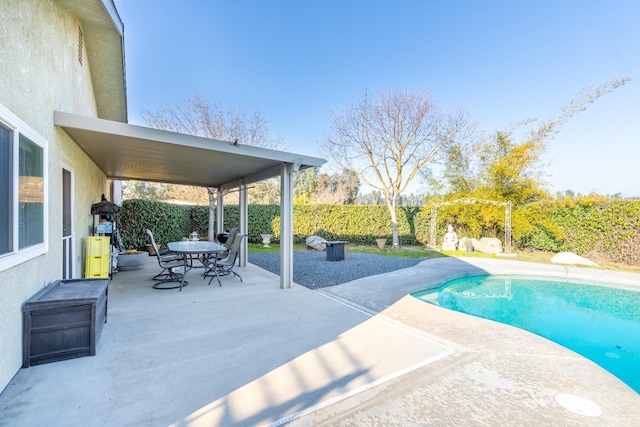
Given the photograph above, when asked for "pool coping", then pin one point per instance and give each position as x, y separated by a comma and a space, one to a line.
380, 291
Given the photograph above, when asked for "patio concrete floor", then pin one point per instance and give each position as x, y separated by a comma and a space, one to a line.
361, 353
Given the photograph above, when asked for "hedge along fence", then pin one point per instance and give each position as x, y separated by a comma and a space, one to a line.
168, 222
602, 230
599, 228
355, 223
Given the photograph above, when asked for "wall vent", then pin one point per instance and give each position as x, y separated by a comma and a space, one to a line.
80, 45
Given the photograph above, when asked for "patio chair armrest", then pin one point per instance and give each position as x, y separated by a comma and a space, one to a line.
170, 256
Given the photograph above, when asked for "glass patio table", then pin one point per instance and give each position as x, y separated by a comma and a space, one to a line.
188, 248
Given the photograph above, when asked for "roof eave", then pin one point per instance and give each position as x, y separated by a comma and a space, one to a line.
103, 32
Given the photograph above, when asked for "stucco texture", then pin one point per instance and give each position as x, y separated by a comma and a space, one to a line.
39, 73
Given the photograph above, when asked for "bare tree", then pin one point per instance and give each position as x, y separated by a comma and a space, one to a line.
387, 138
147, 190
198, 116
338, 188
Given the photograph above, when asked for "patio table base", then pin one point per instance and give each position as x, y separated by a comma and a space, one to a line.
170, 284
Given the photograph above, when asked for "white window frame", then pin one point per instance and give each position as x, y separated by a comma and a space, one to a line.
19, 127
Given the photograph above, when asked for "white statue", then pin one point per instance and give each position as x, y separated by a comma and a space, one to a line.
450, 240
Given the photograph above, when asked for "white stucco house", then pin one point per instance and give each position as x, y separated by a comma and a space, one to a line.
64, 141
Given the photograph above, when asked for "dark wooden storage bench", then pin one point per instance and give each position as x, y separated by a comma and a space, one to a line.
63, 321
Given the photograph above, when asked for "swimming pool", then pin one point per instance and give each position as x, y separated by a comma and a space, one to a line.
599, 322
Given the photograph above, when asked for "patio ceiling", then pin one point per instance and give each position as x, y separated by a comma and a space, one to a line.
124, 151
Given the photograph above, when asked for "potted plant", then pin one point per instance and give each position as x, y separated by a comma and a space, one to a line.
381, 242
149, 249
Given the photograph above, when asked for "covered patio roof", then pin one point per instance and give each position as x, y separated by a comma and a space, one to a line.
124, 151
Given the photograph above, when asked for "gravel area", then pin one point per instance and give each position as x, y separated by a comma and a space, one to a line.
312, 270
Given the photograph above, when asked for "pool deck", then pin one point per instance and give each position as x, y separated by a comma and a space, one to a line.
497, 374
361, 353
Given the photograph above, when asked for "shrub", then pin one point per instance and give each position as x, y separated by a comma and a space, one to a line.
605, 229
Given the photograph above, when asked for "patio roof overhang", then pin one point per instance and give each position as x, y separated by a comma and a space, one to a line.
123, 151
129, 152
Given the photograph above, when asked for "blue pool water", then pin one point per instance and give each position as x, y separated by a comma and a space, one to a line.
598, 322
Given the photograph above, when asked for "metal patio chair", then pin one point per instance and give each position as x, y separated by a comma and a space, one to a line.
172, 266
223, 267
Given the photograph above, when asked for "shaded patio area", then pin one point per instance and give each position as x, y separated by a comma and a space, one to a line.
248, 353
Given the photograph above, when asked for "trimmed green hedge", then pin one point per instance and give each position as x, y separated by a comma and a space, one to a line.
167, 221
603, 229
355, 223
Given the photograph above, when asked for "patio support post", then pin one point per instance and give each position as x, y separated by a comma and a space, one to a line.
116, 192
286, 226
219, 213
243, 213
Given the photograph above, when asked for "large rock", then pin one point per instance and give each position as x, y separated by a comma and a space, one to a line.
487, 245
571, 258
317, 243
464, 243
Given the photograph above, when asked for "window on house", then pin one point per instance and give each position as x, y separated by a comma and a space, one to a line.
30, 194
6, 193
23, 160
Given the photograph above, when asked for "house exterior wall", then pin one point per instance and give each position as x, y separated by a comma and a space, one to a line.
39, 73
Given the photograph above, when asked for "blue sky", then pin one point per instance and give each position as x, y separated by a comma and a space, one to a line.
501, 60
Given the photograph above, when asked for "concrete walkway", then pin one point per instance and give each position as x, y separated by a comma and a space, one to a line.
361, 353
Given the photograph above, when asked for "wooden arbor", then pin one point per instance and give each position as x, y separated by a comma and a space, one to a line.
507, 220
